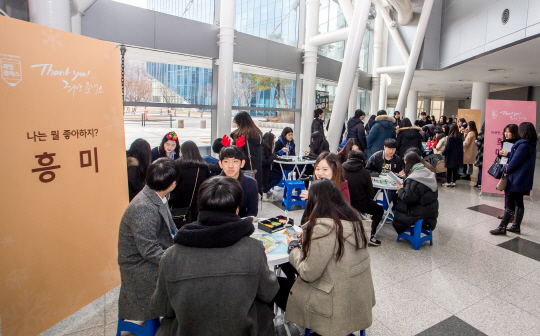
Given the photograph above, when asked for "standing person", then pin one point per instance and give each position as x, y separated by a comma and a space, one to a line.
442, 121
169, 147
450, 121
480, 155
369, 124
329, 166
423, 119
453, 156
362, 192
408, 136
397, 117
469, 149
334, 292
139, 157
356, 130
253, 141
351, 145
285, 143
193, 172
271, 177
317, 125
318, 145
215, 279
382, 129
441, 140
146, 231
520, 170
510, 135
417, 198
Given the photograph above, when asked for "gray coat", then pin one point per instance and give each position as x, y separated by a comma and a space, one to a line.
144, 236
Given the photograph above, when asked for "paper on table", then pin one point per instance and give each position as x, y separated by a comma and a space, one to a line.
395, 178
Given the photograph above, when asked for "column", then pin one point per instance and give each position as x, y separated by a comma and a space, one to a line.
51, 13
480, 92
225, 72
427, 105
377, 61
412, 106
383, 92
353, 100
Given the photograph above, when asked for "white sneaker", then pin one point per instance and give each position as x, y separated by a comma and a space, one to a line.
267, 197
447, 185
453, 184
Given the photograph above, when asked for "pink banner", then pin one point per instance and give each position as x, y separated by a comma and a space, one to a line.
500, 113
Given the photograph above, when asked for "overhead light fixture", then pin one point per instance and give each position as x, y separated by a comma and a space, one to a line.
496, 70
464, 80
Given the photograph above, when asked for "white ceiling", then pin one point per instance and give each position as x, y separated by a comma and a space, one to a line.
521, 63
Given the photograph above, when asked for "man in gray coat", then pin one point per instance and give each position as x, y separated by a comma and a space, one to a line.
146, 231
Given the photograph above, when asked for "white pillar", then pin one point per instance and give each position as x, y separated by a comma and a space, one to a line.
310, 73
480, 92
51, 13
383, 92
225, 72
377, 62
353, 100
415, 52
427, 105
76, 24
348, 71
412, 106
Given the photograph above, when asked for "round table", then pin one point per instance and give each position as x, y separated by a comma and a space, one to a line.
384, 183
295, 163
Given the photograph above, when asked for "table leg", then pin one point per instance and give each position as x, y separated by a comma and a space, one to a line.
386, 213
282, 171
277, 311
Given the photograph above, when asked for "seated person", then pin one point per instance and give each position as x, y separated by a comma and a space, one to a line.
231, 160
146, 231
362, 192
417, 198
318, 145
386, 160
215, 279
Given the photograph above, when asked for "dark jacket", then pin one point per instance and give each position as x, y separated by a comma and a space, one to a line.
355, 130
317, 125
480, 152
408, 137
215, 280
155, 154
144, 236
324, 148
376, 162
360, 185
255, 149
250, 197
382, 129
267, 167
418, 199
520, 168
185, 185
453, 153
280, 143
135, 181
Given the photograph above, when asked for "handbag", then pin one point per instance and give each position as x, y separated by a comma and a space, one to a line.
182, 216
496, 169
250, 172
502, 183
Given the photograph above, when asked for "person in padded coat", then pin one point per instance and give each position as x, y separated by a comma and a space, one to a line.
417, 198
453, 156
215, 279
317, 125
408, 136
383, 128
251, 144
139, 158
356, 130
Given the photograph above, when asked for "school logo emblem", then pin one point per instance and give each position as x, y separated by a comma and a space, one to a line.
494, 114
11, 71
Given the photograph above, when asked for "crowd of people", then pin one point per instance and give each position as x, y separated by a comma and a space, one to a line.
185, 251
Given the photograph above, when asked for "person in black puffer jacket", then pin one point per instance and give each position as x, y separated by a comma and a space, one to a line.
356, 130
317, 125
408, 136
417, 198
139, 158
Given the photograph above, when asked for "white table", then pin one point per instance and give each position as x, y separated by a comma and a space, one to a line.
384, 183
295, 163
274, 259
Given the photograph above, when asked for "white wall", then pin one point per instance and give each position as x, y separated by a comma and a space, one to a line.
472, 27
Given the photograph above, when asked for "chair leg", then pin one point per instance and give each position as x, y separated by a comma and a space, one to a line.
362, 333
308, 331
417, 234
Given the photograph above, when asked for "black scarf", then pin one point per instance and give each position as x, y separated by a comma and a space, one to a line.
215, 230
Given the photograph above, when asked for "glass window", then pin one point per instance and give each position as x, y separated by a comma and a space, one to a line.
197, 10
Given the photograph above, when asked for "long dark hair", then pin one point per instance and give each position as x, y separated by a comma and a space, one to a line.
454, 132
444, 120
472, 127
190, 152
410, 160
161, 148
317, 141
514, 130
284, 133
527, 131
326, 201
267, 143
246, 126
334, 163
406, 122
344, 152
446, 129
140, 150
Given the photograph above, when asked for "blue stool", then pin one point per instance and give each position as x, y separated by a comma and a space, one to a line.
288, 199
282, 182
415, 235
362, 333
149, 329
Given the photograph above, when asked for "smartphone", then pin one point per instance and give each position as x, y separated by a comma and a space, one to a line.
292, 232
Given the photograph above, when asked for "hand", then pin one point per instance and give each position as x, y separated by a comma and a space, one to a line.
502, 152
304, 195
399, 185
289, 238
285, 149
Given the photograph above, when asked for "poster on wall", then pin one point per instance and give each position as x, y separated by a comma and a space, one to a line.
64, 180
322, 100
499, 114
471, 115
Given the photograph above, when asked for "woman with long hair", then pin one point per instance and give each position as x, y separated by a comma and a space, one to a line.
318, 145
480, 155
442, 137
253, 144
510, 135
369, 124
329, 166
285, 143
520, 170
442, 121
271, 177
169, 147
351, 145
453, 156
193, 172
139, 157
333, 294
469, 149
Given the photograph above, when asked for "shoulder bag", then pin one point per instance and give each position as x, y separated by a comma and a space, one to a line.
249, 172
182, 216
496, 169
502, 182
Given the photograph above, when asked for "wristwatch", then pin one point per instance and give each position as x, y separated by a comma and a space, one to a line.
294, 244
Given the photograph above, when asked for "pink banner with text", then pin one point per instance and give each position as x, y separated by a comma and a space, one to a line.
500, 113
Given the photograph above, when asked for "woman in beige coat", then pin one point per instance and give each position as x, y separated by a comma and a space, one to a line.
469, 149
333, 294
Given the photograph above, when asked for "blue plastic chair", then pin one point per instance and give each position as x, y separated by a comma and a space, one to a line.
414, 235
150, 327
362, 333
288, 199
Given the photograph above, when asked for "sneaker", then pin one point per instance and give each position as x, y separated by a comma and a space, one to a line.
374, 242
453, 184
267, 197
447, 185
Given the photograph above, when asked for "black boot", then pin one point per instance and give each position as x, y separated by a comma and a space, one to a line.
516, 226
501, 229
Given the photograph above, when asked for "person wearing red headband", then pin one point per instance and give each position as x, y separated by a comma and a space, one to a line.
169, 147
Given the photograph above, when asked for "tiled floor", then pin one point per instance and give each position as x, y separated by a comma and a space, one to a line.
468, 283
